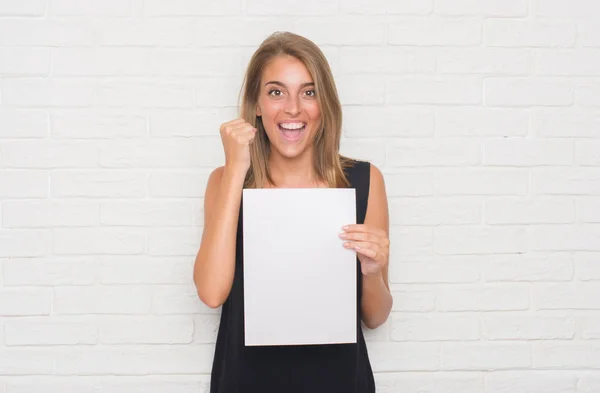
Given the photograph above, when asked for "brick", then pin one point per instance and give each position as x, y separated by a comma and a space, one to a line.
480, 121
23, 123
566, 296
144, 32
43, 214
587, 96
379, 7
485, 356
565, 237
143, 269
410, 241
206, 328
196, 123
178, 299
523, 33
45, 32
586, 152
528, 92
24, 61
589, 327
106, 8
247, 31
114, 384
47, 92
434, 152
489, 61
587, 266
100, 62
409, 182
529, 267
146, 330
527, 152
174, 241
426, 328
589, 33
51, 331
23, 8
565, 122
138, 360
454, 269
488, 181
502, 326
501, 297
98, 124
49, 271
387, 121
179, 184
192, 8
98, 184
438, 90
436, 31
13, 184
98, 240
129, 299
413, 301
24, 243
566, 181
555, 381
289, 7
159, 153
146, 213
388, 60
425, 356
568, 62
589, 383
361, 90
540, 210
24, 302
217, 92
203, 62
341, 30
566, 355
429, 211
496, 8
558, 8
418, 382
50, 154
26, 361
133, 94
364, 149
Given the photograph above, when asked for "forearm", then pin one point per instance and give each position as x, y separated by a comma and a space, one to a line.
215, 262
376, 301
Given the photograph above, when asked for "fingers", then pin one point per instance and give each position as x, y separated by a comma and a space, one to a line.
367, 249
363, 228
360, 236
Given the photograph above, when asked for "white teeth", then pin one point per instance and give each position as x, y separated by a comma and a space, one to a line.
291, 126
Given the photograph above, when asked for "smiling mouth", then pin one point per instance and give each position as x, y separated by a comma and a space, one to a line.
292, 131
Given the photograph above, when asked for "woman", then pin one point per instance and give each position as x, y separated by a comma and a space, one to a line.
289, 136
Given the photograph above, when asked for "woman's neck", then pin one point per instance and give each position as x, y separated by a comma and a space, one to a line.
293, 173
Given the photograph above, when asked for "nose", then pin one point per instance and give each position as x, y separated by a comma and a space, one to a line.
292, 106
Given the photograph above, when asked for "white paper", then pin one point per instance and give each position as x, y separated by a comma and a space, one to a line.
299, 280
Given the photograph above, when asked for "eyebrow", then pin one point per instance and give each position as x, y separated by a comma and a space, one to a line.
283, 84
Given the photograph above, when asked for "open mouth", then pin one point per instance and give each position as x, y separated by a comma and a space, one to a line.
292, 131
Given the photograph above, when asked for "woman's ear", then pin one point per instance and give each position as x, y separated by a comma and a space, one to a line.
258, 112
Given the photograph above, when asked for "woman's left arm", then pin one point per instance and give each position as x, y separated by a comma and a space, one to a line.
371, 242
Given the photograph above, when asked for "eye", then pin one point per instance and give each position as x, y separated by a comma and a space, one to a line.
275, 91
311, 93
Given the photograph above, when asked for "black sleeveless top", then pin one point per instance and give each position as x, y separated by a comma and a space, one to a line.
330, 368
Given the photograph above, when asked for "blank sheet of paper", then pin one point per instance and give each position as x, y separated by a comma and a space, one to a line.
299, 280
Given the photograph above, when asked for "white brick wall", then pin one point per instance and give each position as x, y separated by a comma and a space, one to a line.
484, 116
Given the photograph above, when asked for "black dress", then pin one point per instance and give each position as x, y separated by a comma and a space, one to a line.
331, 368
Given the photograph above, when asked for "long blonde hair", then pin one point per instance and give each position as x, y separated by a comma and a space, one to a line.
328, 164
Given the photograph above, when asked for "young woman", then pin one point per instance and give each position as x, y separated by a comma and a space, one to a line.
288, 136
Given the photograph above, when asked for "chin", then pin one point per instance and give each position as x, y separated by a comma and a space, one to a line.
290, 144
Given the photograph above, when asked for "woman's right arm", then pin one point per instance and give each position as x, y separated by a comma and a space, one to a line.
215, 262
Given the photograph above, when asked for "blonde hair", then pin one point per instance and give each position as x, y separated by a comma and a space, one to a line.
328, 164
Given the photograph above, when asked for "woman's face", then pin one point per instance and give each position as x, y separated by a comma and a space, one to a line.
288, 105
